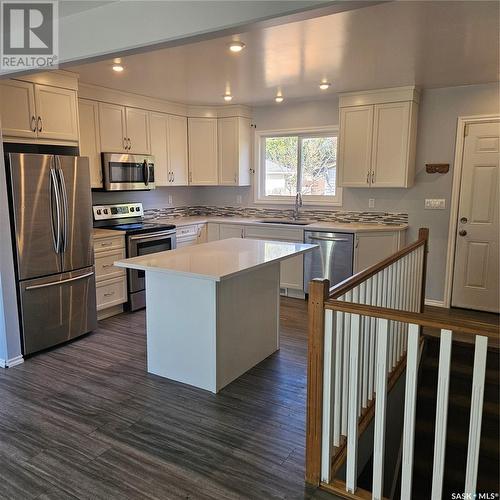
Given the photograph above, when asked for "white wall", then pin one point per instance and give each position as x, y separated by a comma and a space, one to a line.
438, 113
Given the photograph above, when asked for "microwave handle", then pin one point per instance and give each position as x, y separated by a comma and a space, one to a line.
145, 172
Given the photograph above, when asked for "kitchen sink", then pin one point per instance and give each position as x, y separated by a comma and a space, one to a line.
294, 222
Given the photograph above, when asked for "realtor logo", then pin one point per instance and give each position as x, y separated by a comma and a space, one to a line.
29, 35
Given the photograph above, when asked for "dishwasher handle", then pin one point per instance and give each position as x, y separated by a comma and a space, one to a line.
325, 238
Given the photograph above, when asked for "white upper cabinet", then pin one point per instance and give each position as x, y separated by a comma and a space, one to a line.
178, 150
234, 151
88, 112
169, 148
355, 149
17, 108
123, 130
31, 110
137, 121
202, 140
378, 137
113, 130
57, 111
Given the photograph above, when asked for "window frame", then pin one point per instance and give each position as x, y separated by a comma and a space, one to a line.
259, 187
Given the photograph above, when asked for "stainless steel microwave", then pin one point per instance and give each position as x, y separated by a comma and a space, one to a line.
126, 172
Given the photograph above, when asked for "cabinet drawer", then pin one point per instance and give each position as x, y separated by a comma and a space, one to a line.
110, 243
111, 292
186, 231
274, 233
104, 268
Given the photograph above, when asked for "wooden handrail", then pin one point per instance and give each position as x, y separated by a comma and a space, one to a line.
352, 282
423, 319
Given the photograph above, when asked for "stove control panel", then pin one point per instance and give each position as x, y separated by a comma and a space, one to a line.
119, 211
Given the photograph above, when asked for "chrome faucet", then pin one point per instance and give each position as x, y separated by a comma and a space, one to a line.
298, 204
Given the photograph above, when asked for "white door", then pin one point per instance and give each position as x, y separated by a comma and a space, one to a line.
178, 149
391, 136
112, 128
159, 149
17, 109
138, 130
88, 113
355, 149
202, 134
228, 151
476, 273
58, 113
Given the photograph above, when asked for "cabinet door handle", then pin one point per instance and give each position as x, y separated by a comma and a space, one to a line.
173, 176
373, 177
109, 294
105, 266
125, 143
33, 123
235, 178
368, 177
39, 123
129, 143
106, 243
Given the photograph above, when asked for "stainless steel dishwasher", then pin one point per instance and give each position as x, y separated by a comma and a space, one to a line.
333, 259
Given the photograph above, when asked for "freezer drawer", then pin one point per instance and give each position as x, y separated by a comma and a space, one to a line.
57, 308
333, 259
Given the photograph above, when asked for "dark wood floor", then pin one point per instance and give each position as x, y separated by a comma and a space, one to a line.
86, 421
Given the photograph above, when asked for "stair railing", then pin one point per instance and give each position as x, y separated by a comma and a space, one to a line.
360, 331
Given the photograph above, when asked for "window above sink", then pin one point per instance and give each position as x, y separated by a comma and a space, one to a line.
298, 161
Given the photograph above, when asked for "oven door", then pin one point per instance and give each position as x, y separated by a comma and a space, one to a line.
128, 172
144, 244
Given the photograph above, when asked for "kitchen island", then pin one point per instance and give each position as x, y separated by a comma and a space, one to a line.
213, 309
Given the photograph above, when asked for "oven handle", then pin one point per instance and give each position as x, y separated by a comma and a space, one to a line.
149, 236
324, 238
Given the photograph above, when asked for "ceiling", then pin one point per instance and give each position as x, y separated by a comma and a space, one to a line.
428, 43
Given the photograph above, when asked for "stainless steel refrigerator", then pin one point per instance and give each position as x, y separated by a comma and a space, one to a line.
51, 213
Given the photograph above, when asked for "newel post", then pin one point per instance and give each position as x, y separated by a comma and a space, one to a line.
318, 292
423, 234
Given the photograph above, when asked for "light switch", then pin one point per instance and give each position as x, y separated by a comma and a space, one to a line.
371, 203
238, 199
170, 199
435, 204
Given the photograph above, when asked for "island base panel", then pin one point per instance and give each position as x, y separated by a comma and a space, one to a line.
206, 333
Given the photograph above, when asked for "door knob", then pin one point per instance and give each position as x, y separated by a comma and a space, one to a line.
464, 220
462, 232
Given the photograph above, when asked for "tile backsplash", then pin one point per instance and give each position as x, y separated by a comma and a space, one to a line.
253, 212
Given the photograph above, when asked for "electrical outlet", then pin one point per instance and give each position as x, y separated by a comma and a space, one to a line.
170, 199
435, 204
238, 199
371, 203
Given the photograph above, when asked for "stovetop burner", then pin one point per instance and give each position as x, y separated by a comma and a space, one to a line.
140, 227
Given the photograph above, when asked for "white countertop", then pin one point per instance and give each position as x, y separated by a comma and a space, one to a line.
217, 260
353, 227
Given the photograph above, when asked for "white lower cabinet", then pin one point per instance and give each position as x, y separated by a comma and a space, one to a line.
292, 270
372, 248
111, 281
191, 235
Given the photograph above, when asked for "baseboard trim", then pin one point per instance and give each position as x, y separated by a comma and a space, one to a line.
9, 363
435, 303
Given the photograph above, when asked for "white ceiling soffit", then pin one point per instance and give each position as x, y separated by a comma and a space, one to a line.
431, 44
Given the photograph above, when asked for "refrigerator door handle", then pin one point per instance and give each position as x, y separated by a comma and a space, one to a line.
62, 282
64, 205
54, 196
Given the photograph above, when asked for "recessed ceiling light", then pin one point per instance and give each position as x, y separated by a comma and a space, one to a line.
117, 67
236, 46
325, 85
228, 97
279, 98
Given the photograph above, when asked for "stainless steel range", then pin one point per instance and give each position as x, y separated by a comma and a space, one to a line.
141, 238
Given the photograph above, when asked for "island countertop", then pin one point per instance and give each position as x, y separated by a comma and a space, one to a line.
217, 260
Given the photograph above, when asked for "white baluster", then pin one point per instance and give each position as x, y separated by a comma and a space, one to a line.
338, 380
328, 385
441, 413
476, 412
352, 427
376, 283
412, 357
345, 372
366, 345
380, 409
